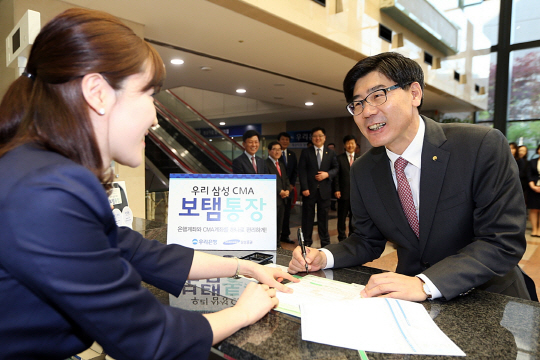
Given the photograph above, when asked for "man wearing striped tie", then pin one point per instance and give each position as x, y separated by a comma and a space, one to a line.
448, 196
275, 165
342, 186
249, 162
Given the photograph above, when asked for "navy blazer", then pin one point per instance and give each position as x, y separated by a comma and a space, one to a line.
69, 276
307, 169
282, 181
472, 212
242, 165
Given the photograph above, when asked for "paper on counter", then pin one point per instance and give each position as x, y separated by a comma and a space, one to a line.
376, 324
313, 289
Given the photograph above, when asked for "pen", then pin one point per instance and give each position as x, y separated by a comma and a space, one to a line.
302, 246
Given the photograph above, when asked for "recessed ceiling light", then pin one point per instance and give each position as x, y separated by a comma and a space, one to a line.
209, 139
206, 68
309, 103
177, 61
241, 91
222, 123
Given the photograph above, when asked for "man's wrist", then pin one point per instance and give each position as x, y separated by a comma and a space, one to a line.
425, 289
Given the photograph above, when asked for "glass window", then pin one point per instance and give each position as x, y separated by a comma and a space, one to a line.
525, 21
485, 18
524, 100
487, 115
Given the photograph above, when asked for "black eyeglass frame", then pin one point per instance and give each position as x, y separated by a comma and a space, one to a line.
350, 106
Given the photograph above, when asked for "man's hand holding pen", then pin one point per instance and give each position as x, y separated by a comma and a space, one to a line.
315, 259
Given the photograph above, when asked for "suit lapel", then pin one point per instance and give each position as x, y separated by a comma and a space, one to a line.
434, 163
382, 177
313, 156
247, 160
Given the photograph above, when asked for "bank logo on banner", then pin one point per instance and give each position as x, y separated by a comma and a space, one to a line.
222, 211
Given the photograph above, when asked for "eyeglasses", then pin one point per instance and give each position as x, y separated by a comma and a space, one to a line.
376, 98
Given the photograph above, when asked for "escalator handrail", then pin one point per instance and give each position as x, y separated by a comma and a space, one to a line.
208, 122
171, 154
212, 154
205, 142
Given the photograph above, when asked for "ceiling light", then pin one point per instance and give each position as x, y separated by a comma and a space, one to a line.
206, 68
309, 103
177, 61
222, 123
241, 91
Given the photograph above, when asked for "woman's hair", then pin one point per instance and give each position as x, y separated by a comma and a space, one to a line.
46, 104
514, 146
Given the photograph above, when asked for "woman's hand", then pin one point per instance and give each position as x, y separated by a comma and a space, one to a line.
256, 301
267, 275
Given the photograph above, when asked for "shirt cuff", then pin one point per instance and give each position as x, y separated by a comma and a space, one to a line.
329, 259
435, 293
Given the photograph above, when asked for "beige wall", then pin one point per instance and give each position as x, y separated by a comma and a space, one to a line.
350, 28
10, 13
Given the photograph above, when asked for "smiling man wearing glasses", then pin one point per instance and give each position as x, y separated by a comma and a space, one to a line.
447, 195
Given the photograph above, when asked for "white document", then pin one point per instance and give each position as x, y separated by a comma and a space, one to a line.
312, 289
376, 324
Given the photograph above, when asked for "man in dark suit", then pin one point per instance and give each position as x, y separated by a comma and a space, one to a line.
277, 167
291, 164
316, 169
342, 185
248, 162
469, 231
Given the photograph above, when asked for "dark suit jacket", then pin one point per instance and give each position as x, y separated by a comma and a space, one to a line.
292, 167
243, 165
307, 169
472, 213
69, 275
282, 181
532, 172
342, 182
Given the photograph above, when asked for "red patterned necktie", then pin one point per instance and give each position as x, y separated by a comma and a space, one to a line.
254, 164
350, 160
405, 195
277, 167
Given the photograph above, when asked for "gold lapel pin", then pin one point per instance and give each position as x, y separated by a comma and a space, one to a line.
434, 158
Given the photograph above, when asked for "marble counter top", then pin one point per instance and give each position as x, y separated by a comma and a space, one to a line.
482, 324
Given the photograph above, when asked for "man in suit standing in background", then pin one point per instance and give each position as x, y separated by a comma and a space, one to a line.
342, 185
469, 231
291, 164
275, 166
316, 169
248, 162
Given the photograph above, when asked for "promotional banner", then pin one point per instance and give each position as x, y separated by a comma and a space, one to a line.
222, 211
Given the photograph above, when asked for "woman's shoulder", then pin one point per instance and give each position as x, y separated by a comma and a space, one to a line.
30, 163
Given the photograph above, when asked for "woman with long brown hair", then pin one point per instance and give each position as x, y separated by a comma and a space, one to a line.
68, 275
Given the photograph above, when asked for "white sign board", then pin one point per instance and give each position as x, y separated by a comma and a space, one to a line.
222, 211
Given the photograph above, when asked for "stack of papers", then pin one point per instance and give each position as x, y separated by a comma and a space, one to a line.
313, 289
374, 324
